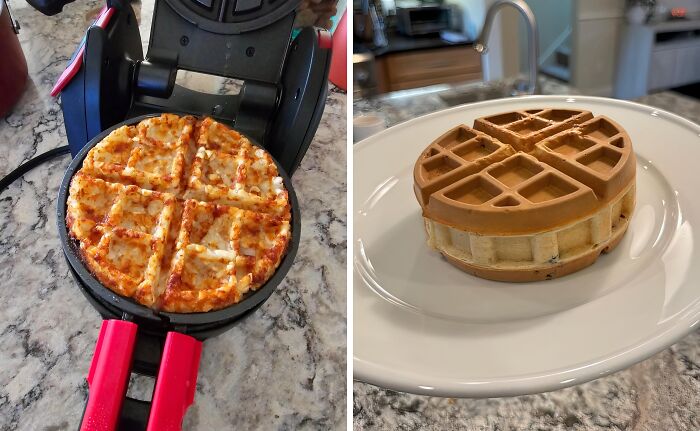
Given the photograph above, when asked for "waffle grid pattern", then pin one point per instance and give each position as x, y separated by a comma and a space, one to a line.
522, 129
179, 214
543, 188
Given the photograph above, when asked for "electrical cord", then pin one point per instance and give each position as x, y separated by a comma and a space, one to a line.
31, 164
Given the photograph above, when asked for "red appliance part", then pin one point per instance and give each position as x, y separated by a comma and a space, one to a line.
76, 62
325, 39
110, 369
339, 61
175, 386
678, 12
13, 65
109, 375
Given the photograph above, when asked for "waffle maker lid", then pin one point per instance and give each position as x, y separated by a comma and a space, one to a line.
283, 80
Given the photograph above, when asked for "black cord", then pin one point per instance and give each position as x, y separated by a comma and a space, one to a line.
31, 164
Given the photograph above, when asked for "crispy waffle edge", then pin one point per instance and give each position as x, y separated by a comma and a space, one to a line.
171, 298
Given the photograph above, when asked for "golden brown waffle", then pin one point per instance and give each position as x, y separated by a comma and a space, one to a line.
180, 215
527, 195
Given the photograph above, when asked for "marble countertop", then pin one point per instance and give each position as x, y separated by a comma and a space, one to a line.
660, 393
282, 368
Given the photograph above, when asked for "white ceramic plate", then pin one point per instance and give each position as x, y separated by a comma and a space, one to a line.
423, 326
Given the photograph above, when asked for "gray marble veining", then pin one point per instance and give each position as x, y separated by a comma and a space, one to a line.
661, 393
283, 368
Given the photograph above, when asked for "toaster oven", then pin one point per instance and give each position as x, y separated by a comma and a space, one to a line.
415, 21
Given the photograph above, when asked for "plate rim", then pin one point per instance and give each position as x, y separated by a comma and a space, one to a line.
407, 381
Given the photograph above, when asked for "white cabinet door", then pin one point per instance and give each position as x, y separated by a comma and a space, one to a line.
662, 69
688, 65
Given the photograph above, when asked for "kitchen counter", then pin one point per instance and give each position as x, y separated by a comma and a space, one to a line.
400, 43
660, 393
282, 368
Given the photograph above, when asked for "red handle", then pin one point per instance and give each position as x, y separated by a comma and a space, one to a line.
176, 382
109, 375
325, 40
338, 74
102, 20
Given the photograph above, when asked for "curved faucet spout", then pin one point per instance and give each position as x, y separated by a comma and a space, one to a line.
481, 45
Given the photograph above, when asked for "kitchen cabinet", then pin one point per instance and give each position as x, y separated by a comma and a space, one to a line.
411, 69
658, 56
663, 68
674, 66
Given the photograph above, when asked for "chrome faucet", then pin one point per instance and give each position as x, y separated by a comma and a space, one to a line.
521, 87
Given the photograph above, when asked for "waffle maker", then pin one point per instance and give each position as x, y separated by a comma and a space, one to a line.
278, 107
135, 338
284, 81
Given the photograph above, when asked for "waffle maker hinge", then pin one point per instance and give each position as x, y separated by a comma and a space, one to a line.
284, 81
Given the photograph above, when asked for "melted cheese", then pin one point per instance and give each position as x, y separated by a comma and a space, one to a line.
179, 215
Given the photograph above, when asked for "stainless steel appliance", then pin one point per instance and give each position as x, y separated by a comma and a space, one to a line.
415, 21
